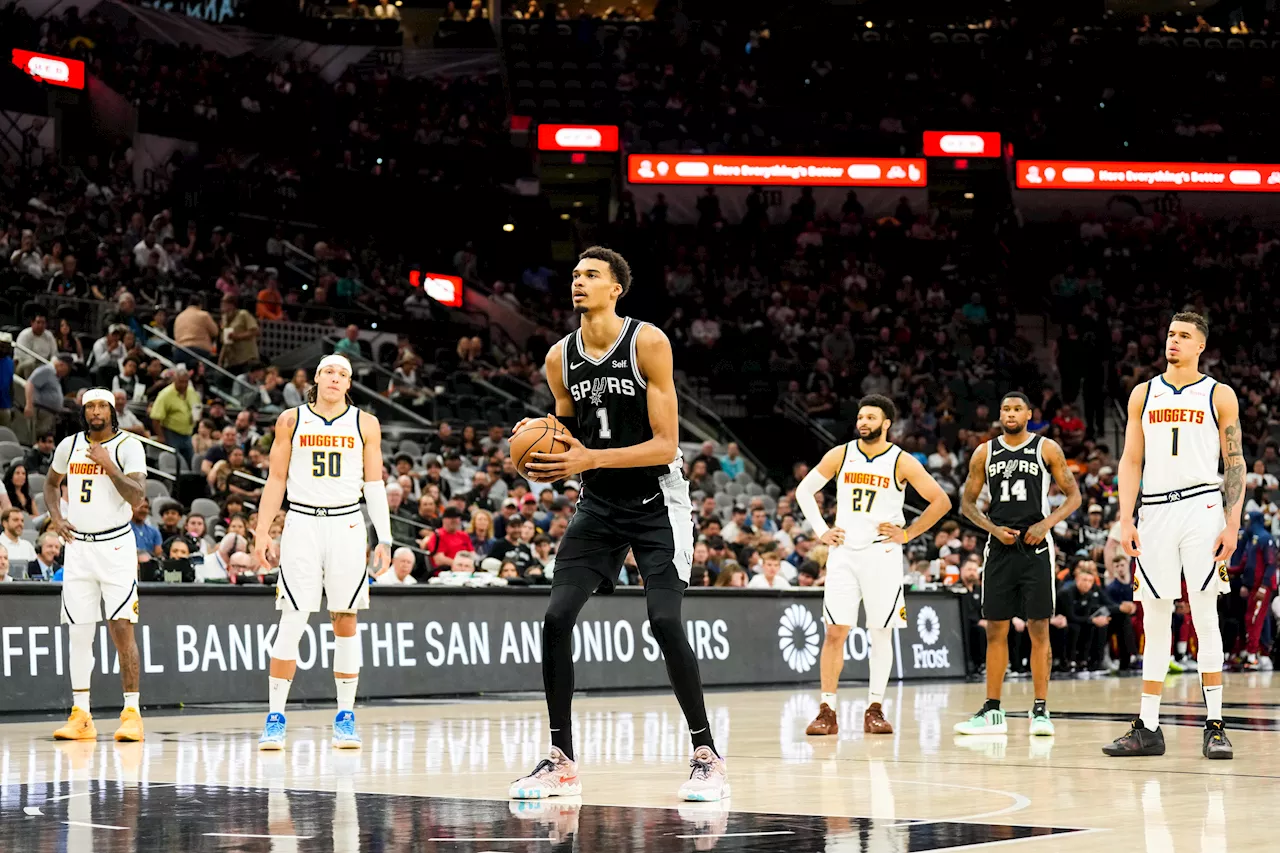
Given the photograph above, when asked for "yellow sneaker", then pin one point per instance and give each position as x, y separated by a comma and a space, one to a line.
79, 726
130, 726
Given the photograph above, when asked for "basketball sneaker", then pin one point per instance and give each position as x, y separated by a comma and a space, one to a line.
1139, 740
985, 722
345, 735
1041, 725
825, 723
873, 721
708, 781
79, 726
273, 732
1216, 744
555, 776
130, 730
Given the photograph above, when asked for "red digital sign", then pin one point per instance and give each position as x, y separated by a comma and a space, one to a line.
961, 143
54, 70
445, 289
577, 137
1172, 177
775, 171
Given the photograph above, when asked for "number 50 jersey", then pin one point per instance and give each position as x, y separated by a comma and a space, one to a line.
868, 494
326, 460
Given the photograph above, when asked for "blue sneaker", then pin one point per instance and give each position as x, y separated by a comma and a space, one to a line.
272, 733
345, 735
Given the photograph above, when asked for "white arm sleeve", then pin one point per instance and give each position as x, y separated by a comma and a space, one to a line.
375, 500
810, 486
62, 456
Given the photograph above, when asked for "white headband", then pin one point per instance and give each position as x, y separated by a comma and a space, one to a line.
101, 395
339, 361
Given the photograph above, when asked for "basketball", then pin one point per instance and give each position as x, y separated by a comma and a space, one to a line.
543, 435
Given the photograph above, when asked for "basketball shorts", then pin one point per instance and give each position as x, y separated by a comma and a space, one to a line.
1018, 580
323, 554
100, 577
1177, 543
657, 529
870, 576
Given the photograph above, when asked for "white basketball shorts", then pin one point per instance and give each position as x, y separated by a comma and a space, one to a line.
100, 577
328, 555
870, 576
1177, 542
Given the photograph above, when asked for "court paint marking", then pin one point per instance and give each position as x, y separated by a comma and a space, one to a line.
447, 840
33, 811
1020, 801
250, 835
95, 825
738, 834
1058, 835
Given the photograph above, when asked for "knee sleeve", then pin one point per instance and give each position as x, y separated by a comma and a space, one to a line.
563, 609
1157, 624
1204, 612
664, 615
289, 634
347, 654
80, 641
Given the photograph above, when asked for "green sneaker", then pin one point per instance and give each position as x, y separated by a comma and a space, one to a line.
1175, 667
1041, 724
983, 723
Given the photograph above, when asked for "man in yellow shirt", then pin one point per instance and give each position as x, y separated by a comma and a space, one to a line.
239, 336
176, 411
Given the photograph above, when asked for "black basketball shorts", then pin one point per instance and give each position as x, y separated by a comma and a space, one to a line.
1019, 580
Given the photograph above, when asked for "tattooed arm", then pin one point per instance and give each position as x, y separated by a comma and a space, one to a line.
1227, 406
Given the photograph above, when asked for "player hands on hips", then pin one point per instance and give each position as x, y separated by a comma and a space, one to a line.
1181, 424
865, 563
106, 474
614, 388
332, 456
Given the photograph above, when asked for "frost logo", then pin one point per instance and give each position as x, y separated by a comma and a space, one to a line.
798, 638
928, 625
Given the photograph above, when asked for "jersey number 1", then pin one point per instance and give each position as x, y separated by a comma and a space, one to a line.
1019, 490
318, 467
603, 415
1175, 441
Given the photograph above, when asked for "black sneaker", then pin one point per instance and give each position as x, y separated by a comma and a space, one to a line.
1139, 741
1216, 744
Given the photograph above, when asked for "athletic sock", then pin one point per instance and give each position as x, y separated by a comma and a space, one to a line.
1213, 702
278, 693
80, 699
131, 702
1040, 708
1151, 711
991, 705
346, 693
829, 699
562, 739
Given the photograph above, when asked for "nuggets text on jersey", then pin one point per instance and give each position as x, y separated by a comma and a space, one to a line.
1174, 416
339, 441
861, 478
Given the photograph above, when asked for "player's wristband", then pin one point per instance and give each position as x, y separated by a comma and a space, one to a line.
375, 501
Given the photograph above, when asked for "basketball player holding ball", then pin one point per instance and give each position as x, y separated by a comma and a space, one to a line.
615, 392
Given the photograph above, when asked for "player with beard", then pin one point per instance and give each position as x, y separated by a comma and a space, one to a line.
1018, 563
106, 475
865, 564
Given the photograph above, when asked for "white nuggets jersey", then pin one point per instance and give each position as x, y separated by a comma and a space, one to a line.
867, 494
1180, 433
326, 462
93, 503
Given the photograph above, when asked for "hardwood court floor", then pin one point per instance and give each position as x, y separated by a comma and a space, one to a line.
433, 776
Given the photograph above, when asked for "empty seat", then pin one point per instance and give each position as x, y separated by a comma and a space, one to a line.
773, 490
205, 507
411, 447
157, 489
7, 434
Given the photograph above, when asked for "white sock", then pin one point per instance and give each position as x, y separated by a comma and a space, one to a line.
1181, 646
80, 699
347, 693
278, 693
80, 661
1151, 711
880, 664
1213, 702
829, 699
130, 702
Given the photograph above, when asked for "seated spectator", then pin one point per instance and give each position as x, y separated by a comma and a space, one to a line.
128, 380
203, 441
67, 340
1087, 609
401, 570
295, 393
970, 587
144, 532
808, 574
17, 492
46, 565
108, 349
732, 463
770, 576
349, 343
21, 552
38, 458
444, 544
227, 442
129, 422
732, 575
36, 345
5, 576
480, 529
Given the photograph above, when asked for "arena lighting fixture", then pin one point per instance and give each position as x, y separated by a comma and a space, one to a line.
47, 68
776, 171
508, 227
1175, 177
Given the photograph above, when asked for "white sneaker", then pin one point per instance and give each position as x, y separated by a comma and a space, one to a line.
555, 776
708, 780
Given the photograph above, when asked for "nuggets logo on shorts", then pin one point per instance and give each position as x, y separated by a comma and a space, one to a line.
135, 608
902, 612
1135, 583
1222, 572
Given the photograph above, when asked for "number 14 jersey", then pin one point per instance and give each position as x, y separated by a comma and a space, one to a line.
867, 494
1019, 483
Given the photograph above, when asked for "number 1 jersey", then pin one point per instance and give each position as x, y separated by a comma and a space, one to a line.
1019, 483
868, 494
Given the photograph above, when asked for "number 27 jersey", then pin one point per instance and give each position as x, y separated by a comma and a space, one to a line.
868, 494
93, 503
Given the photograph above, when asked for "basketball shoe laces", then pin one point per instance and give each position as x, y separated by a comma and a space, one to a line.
701, 769
544, 768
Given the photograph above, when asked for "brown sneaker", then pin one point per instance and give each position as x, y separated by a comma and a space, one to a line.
874, 723
825, 724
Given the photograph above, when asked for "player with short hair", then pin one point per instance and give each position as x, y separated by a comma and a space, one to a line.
106, 475
1018, 574
1181, 424
865, 561
327, 453
614, 388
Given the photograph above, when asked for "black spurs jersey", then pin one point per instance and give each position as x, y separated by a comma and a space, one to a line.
612, 407
1019, 483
